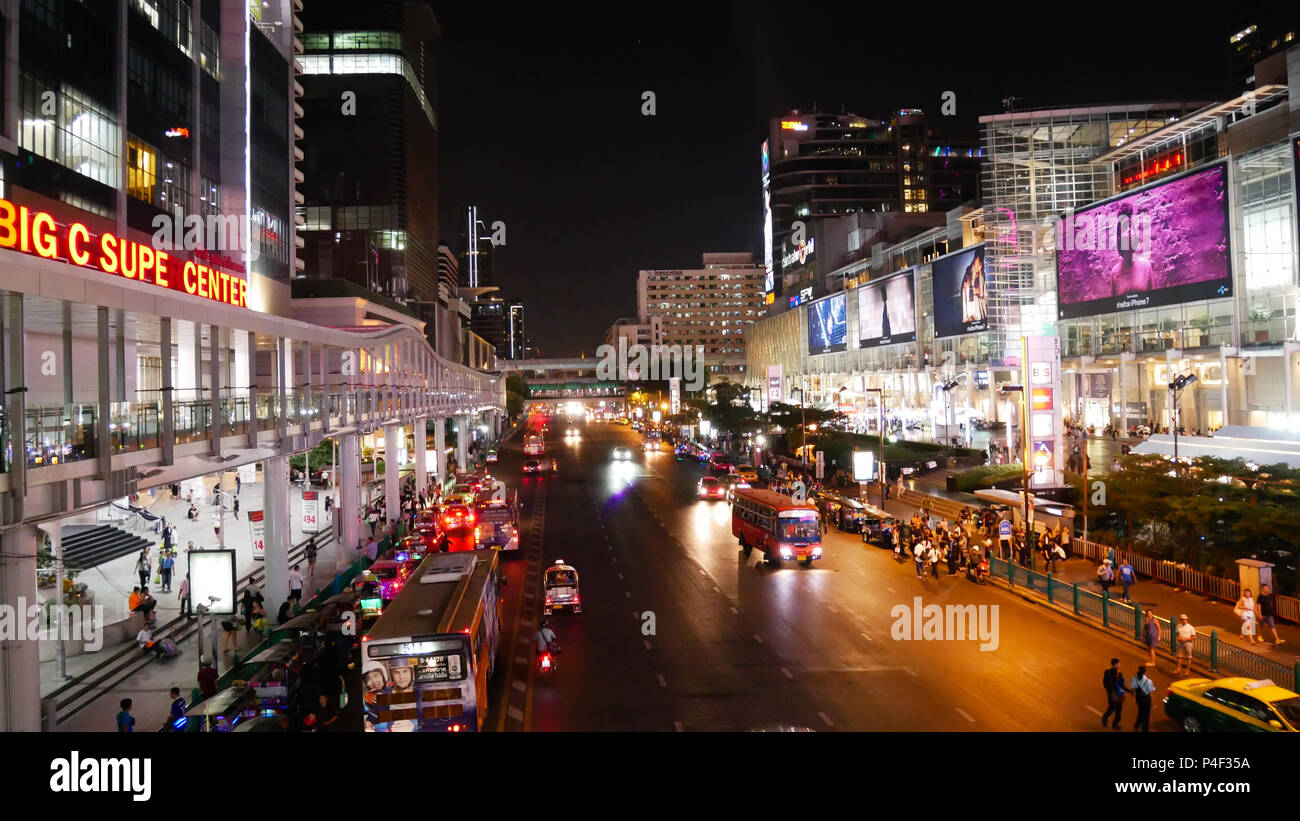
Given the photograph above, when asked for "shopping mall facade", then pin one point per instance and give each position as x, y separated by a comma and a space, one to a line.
1213, 292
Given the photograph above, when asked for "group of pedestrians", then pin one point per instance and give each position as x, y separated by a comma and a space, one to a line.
1118, 688
929, 543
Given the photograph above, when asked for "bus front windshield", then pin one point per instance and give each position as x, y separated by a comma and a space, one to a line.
799, 528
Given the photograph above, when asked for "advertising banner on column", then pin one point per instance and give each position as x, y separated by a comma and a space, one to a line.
310, 512
212, 580
675, 394
1042, 397
775, 383
257, 529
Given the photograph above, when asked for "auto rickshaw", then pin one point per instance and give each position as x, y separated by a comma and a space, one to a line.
274, 673
561, 588
371, 602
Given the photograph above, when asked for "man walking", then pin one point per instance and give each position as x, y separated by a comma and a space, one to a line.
177, 710
1186, 635
165, 569
1126, 577
1106, 576
295, 584
1113, 682
186, 612
1265, 602
125, 721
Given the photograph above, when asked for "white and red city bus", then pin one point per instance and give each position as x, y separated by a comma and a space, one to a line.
776, 525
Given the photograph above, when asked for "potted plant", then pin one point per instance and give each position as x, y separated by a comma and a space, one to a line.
1259, 316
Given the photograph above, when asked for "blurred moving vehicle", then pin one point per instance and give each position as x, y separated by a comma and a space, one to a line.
621, 454
532, 466
778, 526
561, 587
1232, 705
491, 455
710, 488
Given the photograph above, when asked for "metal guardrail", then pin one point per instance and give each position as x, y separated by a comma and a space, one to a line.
1122, 617
85, 689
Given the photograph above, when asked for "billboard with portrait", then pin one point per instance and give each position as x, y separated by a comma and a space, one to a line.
828, 325
887, 310
395, 687
960, 293
1159, 245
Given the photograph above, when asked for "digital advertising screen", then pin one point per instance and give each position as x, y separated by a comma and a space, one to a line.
960, 293
887, 310
1160, 245
828, 325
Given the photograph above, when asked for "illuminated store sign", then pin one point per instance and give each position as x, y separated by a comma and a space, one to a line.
1171, 161
177, 132
791, 125
36, 233
799, 255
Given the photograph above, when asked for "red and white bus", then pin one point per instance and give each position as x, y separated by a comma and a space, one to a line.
779, 527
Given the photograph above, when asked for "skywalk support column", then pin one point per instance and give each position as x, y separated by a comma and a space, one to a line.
279, 536
393, 435
20, 669
462, 442
421, 454
349, 512
440, 445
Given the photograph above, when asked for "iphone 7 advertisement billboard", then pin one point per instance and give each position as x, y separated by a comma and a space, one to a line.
1162, 244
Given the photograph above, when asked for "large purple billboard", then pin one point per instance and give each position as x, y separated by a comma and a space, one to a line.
1160, 245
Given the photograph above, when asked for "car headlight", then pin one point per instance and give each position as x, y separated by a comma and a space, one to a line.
785, 552
817, 551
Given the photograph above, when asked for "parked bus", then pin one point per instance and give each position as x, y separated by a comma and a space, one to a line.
427, 661
533, 445
779, 527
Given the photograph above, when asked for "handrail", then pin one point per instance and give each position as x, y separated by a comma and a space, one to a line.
177, 630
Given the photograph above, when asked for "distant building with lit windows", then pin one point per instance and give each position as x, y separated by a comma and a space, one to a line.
711, 306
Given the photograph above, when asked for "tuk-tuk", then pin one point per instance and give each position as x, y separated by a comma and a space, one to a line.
371, 601
221, 713
877, 526
273, 674
561, 588
853, 514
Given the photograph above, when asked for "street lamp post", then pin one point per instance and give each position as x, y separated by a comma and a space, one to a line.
1024, 461
880, 433
947, 405
1176, 386
803, 426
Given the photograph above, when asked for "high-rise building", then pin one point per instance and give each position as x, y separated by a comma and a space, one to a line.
448, 271
636, 333
710, 306
477, 250
370, 147
497, 319
819, 166
1259, 30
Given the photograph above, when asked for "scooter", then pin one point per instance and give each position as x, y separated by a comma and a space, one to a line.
546, 660
979, 574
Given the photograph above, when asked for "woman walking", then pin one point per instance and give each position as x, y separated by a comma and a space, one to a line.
1142, 687
1247, 610
1151, 634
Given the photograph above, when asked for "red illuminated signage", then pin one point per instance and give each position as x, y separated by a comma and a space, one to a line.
38, 234
1154, 168
1040, 398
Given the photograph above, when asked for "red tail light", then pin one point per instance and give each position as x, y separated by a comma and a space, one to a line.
546, 661
455, 728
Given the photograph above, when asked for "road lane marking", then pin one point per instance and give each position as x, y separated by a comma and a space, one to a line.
1092, 709
758, 638
786, 672
662, 682
910, 671
620, 577
515, 713
965, 715
865, 636
734, 610
677, 725
826, 719
646, 642
891, 590
521, 659
520, 686
626, 593
522, 640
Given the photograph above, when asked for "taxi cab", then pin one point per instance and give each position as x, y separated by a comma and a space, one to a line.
391, 575
1232, 705
747, 473
457, 516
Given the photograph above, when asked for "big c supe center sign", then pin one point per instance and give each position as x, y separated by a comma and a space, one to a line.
37, 233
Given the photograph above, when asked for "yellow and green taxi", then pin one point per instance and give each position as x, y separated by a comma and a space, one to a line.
747, 473
1232, 705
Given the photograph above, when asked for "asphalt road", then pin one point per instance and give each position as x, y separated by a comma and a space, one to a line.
738, 645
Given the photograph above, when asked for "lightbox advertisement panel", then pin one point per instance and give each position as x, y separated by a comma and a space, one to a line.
887, 310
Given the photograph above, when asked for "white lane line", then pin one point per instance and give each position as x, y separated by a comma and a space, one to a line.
521, 659
786, 672
826, 719
832, 609
515, 713
520, 686
677, 725
1026, 669
1092, 709
891, 590
865, 636
620, 577
626, 593
613, 559
522, 640
758, 638
646, 642
734, 610
965, 715
662, 682
910, 671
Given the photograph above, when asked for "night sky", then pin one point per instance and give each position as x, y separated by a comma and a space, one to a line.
540, 123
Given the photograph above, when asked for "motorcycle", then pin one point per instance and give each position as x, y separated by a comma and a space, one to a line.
980, 573
546, 660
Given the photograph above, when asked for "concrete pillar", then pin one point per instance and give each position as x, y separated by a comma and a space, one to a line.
440, 445
279, 537
462, 442
393, 435
421, 449
1223, 384
20, 677
349, 510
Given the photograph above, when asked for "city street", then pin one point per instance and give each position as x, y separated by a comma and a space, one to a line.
740, 646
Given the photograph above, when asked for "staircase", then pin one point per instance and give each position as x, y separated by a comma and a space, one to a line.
86, 546
939, 506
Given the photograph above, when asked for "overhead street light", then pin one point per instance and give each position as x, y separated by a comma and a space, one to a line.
1176, 386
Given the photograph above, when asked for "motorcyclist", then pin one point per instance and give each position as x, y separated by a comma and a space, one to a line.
545, 637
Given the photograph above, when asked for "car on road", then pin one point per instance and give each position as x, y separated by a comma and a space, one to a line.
1232, 705
710, 488
636, 426
560, 584
621, 454
747, 473
683, 452
391, 575
571, 433
457, 516
491, 455
720, 464
532, 466
733, 484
